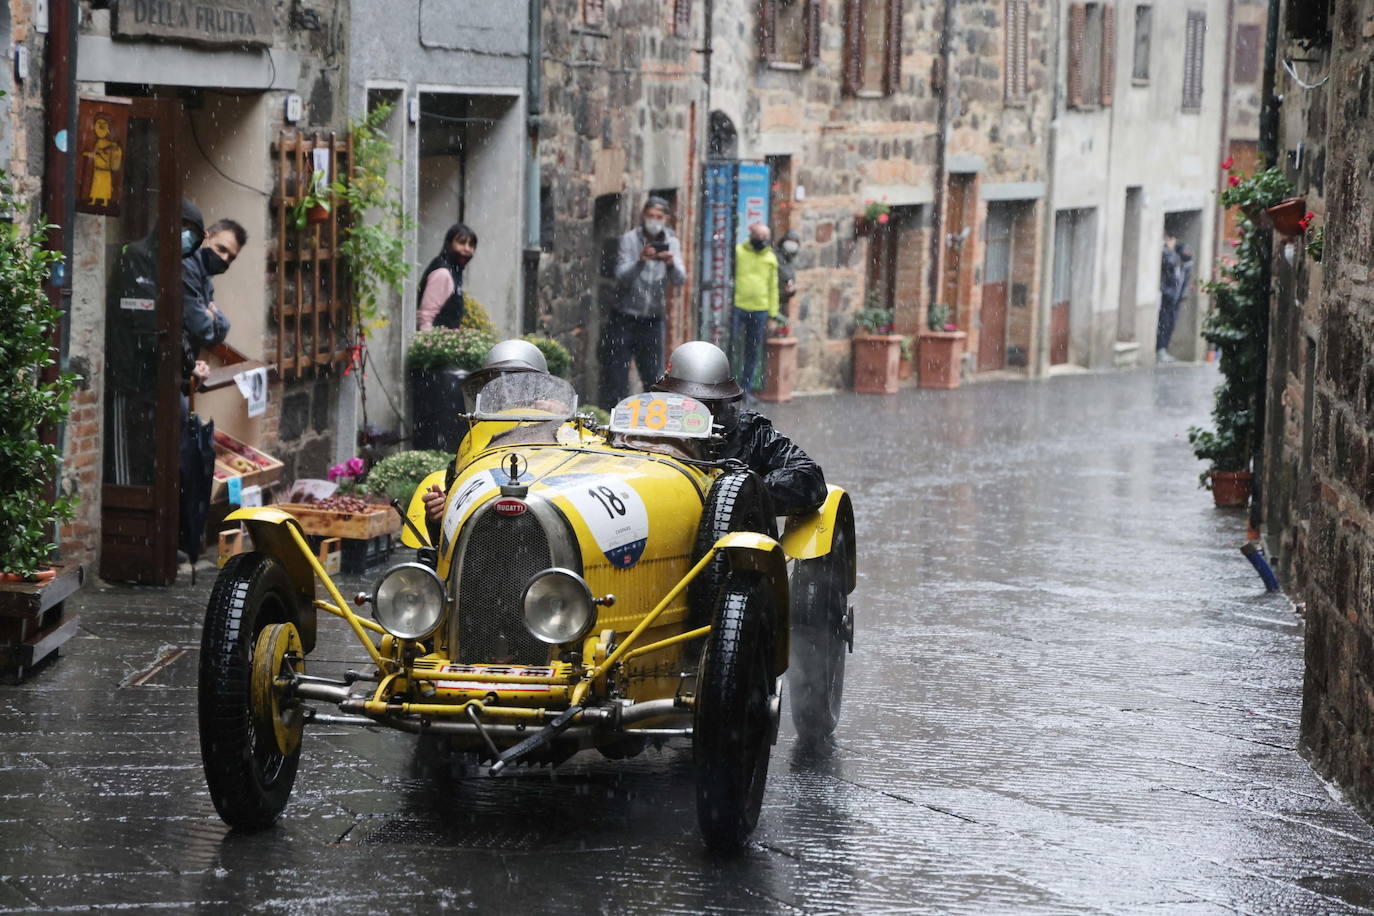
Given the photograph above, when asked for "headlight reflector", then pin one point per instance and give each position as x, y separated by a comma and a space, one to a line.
409, 601
558, 606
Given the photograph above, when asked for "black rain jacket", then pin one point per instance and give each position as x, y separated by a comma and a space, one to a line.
794, 481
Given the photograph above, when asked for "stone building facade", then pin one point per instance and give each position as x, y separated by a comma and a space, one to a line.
232, 108
1318, 458
622, 117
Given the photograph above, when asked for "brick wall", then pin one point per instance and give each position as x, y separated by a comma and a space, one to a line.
1319, 455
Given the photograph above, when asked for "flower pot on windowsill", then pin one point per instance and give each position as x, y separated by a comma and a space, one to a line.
876, 359
319, 213
1230, 488
939, 354
1286, 217
780, 372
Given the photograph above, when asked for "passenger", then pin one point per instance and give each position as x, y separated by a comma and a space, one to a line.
701, 370
508, 356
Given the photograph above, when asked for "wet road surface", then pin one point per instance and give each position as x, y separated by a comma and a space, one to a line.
1069, 693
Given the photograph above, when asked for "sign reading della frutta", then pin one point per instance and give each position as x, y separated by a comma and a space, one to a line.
217, 23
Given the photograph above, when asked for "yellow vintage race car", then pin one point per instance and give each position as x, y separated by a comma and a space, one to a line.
588, 587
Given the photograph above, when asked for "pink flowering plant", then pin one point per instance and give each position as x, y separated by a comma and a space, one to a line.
348, 474
877, 211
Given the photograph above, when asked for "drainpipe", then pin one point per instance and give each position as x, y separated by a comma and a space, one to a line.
1269, 153
59, 184
937, 217
697, 323
1040, 360
534, 109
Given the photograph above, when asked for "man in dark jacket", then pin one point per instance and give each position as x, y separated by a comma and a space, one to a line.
701, 370
205, 325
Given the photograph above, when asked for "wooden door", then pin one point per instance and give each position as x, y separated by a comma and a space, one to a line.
1061, 306
142, 382
992, 314
957, 233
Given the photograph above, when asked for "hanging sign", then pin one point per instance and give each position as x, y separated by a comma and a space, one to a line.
102, 139
222, 23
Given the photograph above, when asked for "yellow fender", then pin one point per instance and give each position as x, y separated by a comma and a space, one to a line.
268, 527
751, 552
416, 510
809, 536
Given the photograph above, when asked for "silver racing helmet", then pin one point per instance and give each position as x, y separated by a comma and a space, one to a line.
701, 370
513, 355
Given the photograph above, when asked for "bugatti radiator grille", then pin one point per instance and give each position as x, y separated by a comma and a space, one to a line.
500, 554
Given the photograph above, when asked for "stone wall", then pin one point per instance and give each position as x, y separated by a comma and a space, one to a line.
1319, 454
621, 117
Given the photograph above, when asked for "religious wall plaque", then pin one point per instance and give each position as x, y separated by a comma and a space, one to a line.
216, 23
102, 137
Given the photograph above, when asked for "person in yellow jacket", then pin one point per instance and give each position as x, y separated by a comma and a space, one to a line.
756, 303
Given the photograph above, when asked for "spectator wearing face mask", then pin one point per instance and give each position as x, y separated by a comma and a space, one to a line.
756, 304
648, 262
441, 284
202, 321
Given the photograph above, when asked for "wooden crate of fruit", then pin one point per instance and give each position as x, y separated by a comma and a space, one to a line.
344, 517
239, 459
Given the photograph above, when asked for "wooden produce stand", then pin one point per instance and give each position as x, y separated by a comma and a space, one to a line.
365, 536
33, 624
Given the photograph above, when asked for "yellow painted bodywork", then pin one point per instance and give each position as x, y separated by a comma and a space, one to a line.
809, 536
636, 648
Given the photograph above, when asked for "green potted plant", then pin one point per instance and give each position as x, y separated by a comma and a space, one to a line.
31, 589
780, 367
877, 351
940, 349
396, 476
314, 203
558, 357
28, 403
1233, 327
438, 361
906, 364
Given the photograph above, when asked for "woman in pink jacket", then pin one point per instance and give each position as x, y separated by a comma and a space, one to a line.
441, 284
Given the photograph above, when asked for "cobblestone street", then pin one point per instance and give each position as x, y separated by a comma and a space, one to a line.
1069, 693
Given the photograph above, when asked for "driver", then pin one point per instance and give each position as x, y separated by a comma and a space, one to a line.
701, 370
508, 356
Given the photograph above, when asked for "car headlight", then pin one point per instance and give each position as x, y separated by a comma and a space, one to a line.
558, 606
409, 601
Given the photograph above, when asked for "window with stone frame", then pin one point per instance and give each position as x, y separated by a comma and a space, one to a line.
682, 18
1092, 54
1249, 44
1195, 41
1140, 60
594, 12
790, 32
873, 47
1015, 64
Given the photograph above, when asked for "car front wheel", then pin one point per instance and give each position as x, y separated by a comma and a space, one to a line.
733, 731
246, 746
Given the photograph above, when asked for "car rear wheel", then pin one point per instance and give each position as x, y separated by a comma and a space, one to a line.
249, 767
822, 632
733, 726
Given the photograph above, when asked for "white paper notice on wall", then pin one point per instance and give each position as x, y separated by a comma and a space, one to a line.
253, 386
319, 161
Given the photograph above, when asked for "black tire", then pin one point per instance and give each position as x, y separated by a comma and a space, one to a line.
249, 779
820, 642
737, 501
732, 728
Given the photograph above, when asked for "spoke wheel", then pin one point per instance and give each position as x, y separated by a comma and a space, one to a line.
733, 727
244, 745
822, 634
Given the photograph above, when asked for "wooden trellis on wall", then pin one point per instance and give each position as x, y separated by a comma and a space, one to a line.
314, 307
